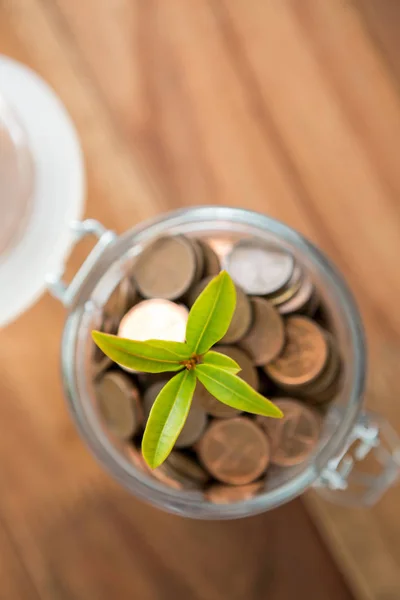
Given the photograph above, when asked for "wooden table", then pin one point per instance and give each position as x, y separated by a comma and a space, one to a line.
290, 107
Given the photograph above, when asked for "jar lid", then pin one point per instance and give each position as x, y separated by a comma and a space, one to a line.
56, 195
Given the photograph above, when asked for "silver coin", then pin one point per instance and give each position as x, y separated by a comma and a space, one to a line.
259, 269
300, 299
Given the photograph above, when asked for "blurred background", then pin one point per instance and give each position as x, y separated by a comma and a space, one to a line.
288, 107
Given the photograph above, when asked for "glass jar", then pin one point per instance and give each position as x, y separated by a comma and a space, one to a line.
331, 468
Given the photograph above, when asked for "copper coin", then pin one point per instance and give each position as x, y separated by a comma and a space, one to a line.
266, 338
211, 405
260, 269
150, 395
195, 423
329, 373
211, 261
300, 299
242, 316
198, 250
294, 437
119, 405
188, 467
171, 477
155, 319
193, 428
248, 372
227, 494
304, 355
122, 298
234, 451
196, 290
327, 395
165, 473
101, 362
166, 268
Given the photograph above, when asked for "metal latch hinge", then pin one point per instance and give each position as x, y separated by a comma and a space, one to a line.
366, 467
64, 292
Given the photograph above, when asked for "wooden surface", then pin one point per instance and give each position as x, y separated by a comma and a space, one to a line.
290, 107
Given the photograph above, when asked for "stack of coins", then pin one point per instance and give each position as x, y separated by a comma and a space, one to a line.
280, 348
309, 365
262, 270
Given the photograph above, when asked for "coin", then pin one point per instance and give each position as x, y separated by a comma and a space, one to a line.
260, 269
234, 451
122, 298
119, 405
300, 299
194, 425
248, 372
193, 428
198, 250
211, 261
188, 467
150, 395
241, 320
294, 437
328, 394
329, 373
266, 338
211, 405
101, 362
242, 317
327, 376
227, 494
166, 268
155, 319
304, 355
289, 290
328, 383
165, 473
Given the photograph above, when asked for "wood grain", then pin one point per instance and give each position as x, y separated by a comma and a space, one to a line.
291, 108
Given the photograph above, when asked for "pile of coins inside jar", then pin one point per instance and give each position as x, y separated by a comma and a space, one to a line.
278, 336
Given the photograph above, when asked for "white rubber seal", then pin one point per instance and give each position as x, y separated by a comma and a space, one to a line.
59, 189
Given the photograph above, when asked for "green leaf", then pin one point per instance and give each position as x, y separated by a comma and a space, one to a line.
221, 361
139, 356
167, 417
179, 349
211, 314
233, 391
